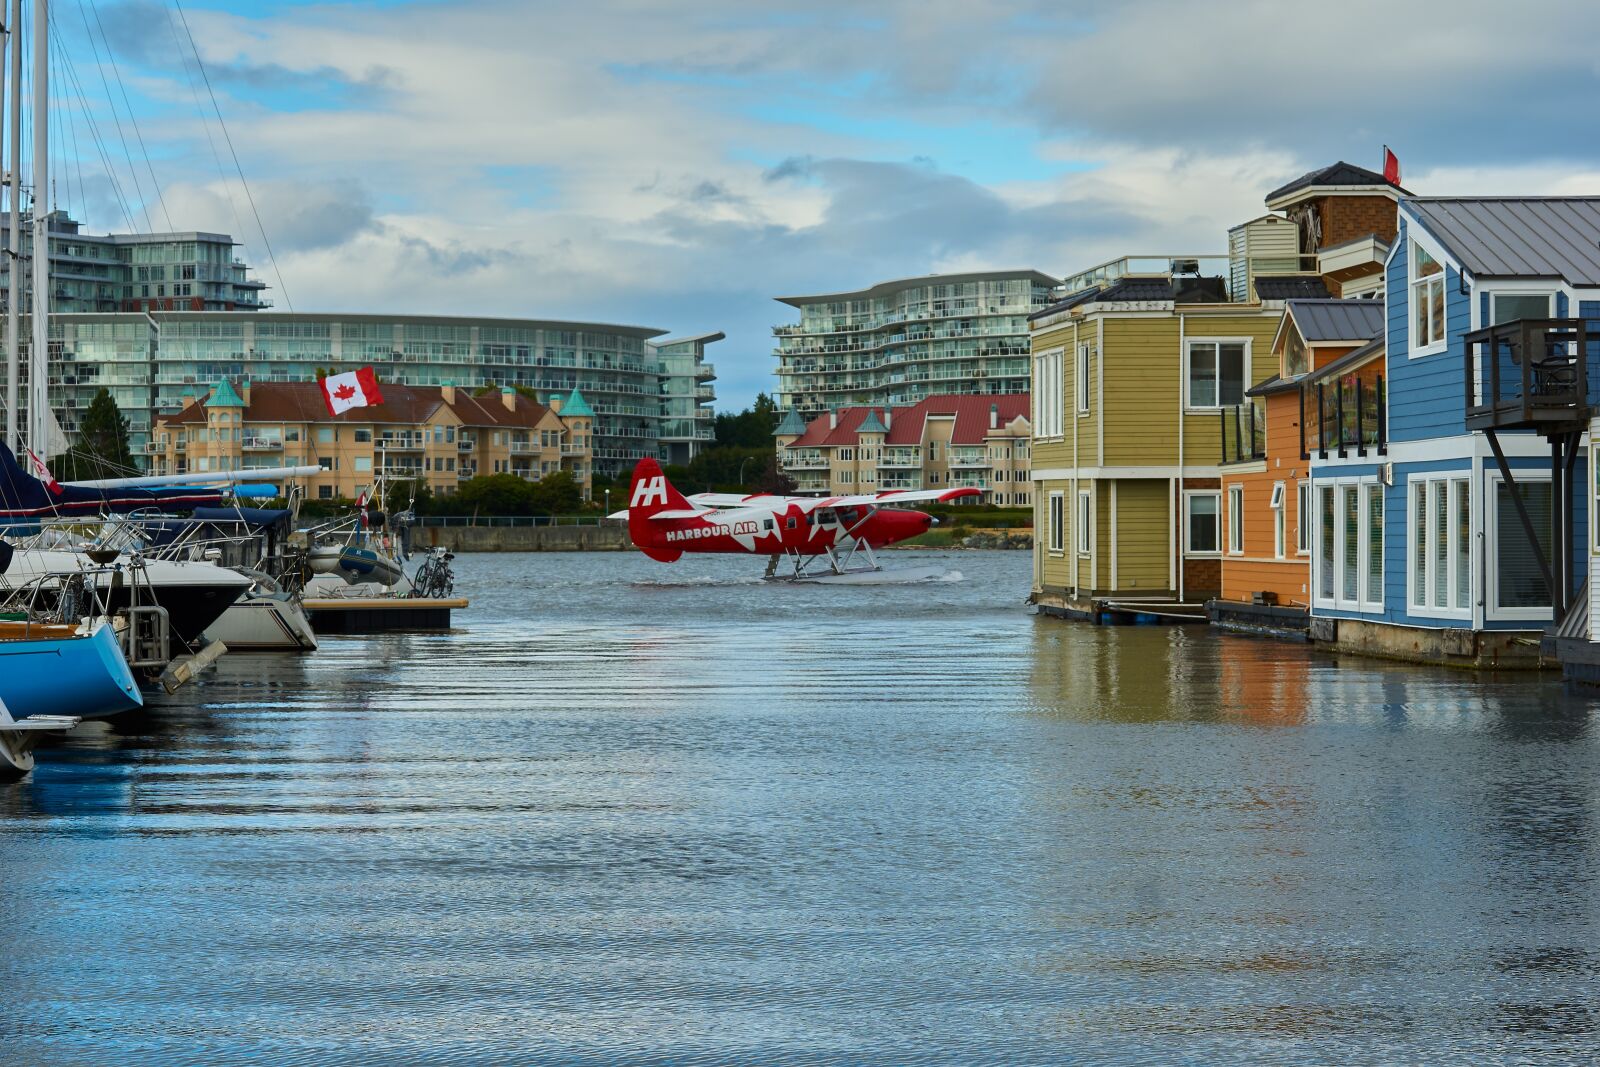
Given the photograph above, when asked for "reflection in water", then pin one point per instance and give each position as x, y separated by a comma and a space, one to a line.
635, 812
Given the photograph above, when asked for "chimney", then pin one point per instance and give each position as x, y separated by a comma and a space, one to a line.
508, 397
833, 420
887, 415
244, 392
447, 392
554, 403
994, 416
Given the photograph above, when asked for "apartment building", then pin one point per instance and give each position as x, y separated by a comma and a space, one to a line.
440, 435
642, 400
899, 342
980, 442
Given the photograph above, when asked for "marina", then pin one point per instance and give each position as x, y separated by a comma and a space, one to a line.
630, 812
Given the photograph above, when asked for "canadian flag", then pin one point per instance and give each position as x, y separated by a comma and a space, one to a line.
41, 472
352, 389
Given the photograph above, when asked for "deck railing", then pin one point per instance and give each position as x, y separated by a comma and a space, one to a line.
1527, 373
1344, 415
1244, 432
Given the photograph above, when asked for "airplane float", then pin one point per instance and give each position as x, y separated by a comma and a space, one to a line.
824, 538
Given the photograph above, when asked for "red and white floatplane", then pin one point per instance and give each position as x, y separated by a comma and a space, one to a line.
822, 538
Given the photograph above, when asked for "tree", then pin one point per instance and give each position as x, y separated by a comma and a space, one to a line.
409, 493
102, 447
493, 494
750, 428
555, 494
775, 481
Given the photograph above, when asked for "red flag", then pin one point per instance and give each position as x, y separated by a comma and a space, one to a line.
1391, 166
41, 472
352, 389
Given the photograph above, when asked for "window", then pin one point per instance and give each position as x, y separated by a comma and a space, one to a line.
1057, 521
1082, 379
363, 464
1509, 307
1217, 372
324, 492
1518, 581
1349, 556
1278, 519
1085, 521
1302, 518
1236, 519
325, 434
1427, 299
1440, 522
1048, 420
363, 437
1201, 515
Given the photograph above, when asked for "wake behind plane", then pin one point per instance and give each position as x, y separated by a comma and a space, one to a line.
822, 538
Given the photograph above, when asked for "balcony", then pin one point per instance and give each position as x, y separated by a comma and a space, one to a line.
1244, 432
261, 444
1528, 374
970, 480
400, 442
903, 456
963, 456
465, 443
1344, 414
900, 481
804, 459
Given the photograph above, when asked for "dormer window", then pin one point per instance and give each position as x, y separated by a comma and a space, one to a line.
1427, 299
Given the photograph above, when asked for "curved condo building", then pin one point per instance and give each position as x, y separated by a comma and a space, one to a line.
899, 342
648, 400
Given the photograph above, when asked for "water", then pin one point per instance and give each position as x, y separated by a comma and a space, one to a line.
633, 812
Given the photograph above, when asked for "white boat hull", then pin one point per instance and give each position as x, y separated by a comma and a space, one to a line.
882, 576
264, 622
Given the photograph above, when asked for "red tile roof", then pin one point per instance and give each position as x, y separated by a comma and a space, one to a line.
402, 404
906, 424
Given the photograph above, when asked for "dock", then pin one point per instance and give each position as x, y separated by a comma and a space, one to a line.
379, 615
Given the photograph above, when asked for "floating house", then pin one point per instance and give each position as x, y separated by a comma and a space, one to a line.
1324, 395
1457, 536
1133, 372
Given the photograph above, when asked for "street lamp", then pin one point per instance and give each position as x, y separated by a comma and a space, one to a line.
608, 500
742, 462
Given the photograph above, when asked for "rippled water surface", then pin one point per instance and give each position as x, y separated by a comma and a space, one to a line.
630, 812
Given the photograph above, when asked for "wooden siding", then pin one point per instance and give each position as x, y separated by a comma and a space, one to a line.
1426, 395
1257, 569
1144, 546
1142, 398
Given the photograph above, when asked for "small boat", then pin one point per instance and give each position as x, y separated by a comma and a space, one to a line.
355, 565
265, 619
78, 671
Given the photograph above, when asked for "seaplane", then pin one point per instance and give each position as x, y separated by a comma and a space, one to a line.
822, 538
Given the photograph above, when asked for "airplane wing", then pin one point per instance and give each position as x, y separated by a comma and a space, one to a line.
892, 496
733, 500
681, 513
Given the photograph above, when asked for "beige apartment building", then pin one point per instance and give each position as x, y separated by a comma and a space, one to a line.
979, 442
440, 435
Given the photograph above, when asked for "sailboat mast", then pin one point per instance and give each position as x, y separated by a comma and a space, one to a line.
14, 236
39, 365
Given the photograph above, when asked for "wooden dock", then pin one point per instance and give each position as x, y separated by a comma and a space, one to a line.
379, 615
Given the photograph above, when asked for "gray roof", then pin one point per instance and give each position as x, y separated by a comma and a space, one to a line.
1082, 296
1339, 174
1290, 287
872, 424
885, 288
1337, 320
1518, 237
1136, 289
792, 424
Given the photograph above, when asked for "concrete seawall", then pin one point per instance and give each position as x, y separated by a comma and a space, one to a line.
608, 538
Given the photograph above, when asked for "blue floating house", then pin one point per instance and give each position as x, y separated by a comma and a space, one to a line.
1446, 522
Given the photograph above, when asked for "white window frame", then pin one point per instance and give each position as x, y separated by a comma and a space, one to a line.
1084, 521
1189, 551
1058, 521
1496, 294
1341, 488
1235, 534
1083, 372
1491, 539
1245, 379
1434, 344
1279, 520
1049, 394
1453, 483
1303, 526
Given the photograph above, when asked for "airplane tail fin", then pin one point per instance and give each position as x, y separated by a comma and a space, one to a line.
652, 492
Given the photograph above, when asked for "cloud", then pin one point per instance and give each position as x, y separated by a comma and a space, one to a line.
496, 158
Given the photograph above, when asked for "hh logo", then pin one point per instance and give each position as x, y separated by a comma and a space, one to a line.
653, 491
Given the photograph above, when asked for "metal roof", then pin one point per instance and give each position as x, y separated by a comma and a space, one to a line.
1290, 287
1517, 237
1082, 296
1337, 320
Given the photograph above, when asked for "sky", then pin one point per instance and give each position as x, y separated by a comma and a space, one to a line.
679, 165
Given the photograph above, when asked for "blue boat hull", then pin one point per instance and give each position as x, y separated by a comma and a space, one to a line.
82, 676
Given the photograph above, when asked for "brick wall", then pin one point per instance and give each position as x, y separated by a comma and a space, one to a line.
1345, 218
